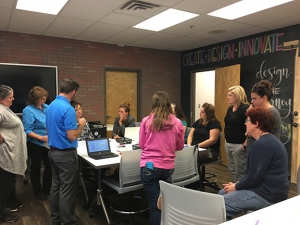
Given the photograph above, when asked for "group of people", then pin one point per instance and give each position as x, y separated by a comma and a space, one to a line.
257, 160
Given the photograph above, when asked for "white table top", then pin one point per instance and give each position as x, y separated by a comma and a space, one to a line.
102, 163
283, 213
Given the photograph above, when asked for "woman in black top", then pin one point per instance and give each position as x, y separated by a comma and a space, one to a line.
205, 133
235, 132
123, 120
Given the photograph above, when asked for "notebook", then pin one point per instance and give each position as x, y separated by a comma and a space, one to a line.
132, 132
99, 148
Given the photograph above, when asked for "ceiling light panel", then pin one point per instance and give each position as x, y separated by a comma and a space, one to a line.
245, 7
42, 6
165, 19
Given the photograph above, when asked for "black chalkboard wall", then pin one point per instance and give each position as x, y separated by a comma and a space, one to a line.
264, 59
280, 71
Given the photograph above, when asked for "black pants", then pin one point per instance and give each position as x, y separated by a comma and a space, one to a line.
39, 154
65, 172
7, 191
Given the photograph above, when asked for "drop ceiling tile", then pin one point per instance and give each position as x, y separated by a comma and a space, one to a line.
31, 22
154, 39
68, 27
4, 17
121, 19
92, 10
129, 35
100, 31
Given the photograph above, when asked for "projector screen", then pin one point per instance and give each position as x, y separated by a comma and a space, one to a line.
22, 78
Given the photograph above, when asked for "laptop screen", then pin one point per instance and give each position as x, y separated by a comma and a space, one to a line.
97, 145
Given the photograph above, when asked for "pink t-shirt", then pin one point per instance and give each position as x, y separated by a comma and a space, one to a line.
159, 147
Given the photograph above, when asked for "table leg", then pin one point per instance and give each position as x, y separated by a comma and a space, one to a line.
82, 181
99, 198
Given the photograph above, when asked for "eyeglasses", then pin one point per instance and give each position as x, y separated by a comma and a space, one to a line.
246, 120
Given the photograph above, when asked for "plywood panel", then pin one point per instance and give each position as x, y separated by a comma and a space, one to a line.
225, 78
121, 86
295, 130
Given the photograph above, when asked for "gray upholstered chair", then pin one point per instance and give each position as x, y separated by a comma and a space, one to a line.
128, 180
185, 206
185, 167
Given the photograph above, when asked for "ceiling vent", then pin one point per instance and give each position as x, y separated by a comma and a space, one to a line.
140, 8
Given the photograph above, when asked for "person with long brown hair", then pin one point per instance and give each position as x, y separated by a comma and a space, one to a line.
178, 112
161, 133
205, 133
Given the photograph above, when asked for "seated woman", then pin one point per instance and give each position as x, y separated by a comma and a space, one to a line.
178, 112
86, 132
122, 121
266, 179
205, 133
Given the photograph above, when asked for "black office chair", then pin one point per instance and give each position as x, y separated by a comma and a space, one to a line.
209, 179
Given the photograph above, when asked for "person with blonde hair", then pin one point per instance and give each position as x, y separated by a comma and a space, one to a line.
34, 121
161, 133
235, 139
123, 120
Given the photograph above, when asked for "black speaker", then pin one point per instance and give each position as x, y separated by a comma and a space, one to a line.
98, 130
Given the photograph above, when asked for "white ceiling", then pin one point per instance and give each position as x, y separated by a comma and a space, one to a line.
103, 21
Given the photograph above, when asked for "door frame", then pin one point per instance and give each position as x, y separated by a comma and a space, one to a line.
139, 85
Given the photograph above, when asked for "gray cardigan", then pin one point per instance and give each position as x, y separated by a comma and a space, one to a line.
120, 129
13, 150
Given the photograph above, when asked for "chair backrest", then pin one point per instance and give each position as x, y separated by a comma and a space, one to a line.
129, 170
132, 132
185, 206
185, 167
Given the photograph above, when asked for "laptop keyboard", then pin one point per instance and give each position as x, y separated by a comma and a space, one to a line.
105, 156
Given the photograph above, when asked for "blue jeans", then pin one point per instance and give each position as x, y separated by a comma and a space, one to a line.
150, 179
240, 200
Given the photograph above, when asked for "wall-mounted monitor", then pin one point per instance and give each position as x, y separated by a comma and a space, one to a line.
22, 78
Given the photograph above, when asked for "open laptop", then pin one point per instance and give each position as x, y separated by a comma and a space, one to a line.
99, 148
132, 132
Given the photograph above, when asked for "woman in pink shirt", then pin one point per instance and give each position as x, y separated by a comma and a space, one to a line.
161, 133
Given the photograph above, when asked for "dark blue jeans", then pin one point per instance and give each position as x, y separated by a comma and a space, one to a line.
150, 179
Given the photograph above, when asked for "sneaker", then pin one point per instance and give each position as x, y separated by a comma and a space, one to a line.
16, 207
41, 196
9, 218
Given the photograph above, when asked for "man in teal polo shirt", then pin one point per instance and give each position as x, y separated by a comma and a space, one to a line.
63, 132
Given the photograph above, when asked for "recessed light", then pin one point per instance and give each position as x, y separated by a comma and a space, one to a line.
245, 7
165, 19
42, 6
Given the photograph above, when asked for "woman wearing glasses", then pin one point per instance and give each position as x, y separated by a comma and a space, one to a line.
266, 180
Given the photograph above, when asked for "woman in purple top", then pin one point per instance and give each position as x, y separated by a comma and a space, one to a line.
161, 133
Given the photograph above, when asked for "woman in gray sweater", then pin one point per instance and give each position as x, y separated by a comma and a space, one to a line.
13, 155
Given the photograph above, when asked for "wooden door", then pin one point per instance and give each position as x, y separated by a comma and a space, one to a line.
295, 162
225, 78
121, 86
